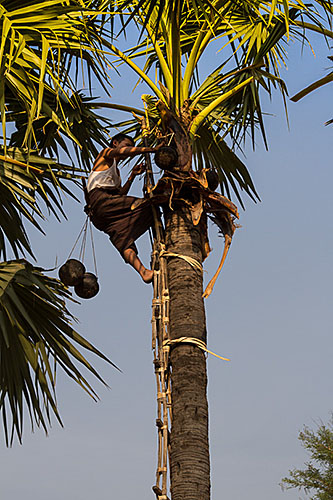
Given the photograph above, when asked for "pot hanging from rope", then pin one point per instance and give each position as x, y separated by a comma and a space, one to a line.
166, 158
88, 286
71, 273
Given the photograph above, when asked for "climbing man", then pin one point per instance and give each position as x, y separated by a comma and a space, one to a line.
109, 205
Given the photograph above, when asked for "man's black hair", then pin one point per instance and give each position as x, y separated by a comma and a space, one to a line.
120, 137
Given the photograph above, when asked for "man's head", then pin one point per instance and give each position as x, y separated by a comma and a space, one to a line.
118, 138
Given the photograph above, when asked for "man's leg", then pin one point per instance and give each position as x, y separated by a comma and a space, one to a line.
131, 257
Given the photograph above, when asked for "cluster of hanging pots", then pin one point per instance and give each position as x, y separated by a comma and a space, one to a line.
73, 273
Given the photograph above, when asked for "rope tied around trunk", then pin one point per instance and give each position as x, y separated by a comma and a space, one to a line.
193, 340
193, 262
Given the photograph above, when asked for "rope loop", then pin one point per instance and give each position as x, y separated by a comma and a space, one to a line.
193, 262
87, 226
192, 340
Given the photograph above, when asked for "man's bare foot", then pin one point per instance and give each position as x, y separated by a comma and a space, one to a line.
131, 257
147, 275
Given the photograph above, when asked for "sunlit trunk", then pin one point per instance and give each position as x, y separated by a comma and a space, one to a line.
189, 450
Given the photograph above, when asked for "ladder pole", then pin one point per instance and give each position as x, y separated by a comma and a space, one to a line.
160, 333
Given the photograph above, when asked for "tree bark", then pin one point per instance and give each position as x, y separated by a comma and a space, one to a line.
189, 449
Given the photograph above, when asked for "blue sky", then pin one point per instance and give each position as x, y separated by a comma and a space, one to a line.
270, 313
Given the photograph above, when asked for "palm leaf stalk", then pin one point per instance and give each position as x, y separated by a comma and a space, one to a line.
314, 86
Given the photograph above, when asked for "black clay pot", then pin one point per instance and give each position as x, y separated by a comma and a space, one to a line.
166, 158
212, 179
88, 286
71, 272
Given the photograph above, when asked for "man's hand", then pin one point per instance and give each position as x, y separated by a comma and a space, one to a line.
159, 146
138, 169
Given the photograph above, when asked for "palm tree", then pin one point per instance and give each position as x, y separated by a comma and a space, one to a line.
196, 117
43, 113
43, 44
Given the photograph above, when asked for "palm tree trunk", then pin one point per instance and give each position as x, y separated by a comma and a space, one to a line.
189, 449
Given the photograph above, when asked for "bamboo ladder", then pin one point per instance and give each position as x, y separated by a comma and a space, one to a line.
160, 335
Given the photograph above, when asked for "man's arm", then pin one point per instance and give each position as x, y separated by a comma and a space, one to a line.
106, 157
137, 170
126, 187
126, 152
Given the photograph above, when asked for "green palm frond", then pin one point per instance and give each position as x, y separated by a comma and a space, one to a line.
79, 112
241, 112
36, 335
211, 151
29, 183
44, 45
154, 10
12, 230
